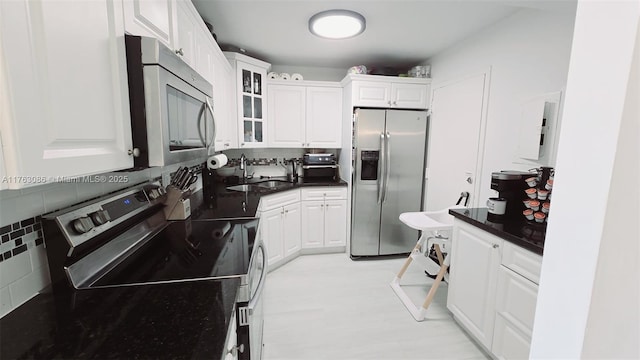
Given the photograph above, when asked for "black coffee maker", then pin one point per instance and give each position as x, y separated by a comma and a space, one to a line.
510, 186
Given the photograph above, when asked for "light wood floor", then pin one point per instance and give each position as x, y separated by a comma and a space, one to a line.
330, 307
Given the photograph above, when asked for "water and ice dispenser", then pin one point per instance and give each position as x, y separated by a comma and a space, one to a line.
370, 160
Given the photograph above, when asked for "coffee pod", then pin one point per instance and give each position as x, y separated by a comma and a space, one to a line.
545, 207
526, 203
528, 214
532, 181
542, 194
549, 184
539, 217
534, 205
531, 193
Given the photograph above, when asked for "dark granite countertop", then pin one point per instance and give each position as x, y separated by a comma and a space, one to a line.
519, 232
163, 321
181, 320
220, 203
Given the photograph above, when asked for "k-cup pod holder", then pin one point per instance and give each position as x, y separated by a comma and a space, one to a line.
537, 198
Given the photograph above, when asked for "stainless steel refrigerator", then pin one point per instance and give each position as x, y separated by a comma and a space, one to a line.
388, 177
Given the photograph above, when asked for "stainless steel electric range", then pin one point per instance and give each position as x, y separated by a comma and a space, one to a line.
124, 240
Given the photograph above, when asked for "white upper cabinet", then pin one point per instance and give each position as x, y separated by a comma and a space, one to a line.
224, 104
286, 106
250, 99
324, 117
186, 29
68, 106
194, 43
150, 18
304, 114
389, 92
178, 25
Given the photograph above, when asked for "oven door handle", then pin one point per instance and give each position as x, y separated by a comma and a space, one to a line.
263, 278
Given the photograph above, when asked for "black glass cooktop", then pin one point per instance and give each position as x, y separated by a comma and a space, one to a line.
187, 250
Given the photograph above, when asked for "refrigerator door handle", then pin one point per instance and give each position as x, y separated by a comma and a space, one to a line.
387, 163
381, 169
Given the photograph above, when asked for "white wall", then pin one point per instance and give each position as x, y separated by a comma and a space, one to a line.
588, 301
613, 326
529, 56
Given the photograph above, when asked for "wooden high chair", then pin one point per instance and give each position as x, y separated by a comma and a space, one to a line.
436, 230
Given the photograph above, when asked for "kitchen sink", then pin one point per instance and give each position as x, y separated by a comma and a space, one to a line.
244, 188
272, 184
263, 185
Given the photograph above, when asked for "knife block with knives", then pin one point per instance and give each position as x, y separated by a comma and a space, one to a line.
177, 204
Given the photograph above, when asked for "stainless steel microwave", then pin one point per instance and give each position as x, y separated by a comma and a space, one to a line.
171, 106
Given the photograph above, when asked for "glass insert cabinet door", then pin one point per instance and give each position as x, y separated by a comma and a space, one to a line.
251, 85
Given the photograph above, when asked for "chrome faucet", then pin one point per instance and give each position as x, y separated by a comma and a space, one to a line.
243, 167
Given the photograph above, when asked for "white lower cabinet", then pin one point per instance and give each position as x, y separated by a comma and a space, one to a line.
493, 290
472, 280
310, 220
324, 218
280, 226
515, 310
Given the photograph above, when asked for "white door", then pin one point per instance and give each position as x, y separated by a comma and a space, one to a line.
291, 229
312, 224
455, 143
335, 223
271, 223
69, 95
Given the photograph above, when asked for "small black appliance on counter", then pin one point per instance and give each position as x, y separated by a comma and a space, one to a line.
510, 186
320, 167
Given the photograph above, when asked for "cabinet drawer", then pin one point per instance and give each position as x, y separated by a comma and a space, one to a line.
522, 261
325, 193
277, 200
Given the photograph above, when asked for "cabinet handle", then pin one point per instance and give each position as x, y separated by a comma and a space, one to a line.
286, 211
180, 52
321, 205
495, 246
241, 144
394, 103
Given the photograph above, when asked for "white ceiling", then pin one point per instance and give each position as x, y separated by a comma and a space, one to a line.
399, 33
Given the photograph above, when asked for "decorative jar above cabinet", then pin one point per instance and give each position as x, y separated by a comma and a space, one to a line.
251, 99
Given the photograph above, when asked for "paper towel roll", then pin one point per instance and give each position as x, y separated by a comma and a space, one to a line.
217, 161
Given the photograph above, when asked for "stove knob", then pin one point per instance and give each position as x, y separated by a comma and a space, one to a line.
99, 217
82, 225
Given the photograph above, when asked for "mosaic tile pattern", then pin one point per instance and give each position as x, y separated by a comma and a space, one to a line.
20, 236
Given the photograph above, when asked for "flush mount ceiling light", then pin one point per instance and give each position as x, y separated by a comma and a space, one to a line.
337, 24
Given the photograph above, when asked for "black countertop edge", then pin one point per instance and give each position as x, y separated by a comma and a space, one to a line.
180, 320
522, 233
